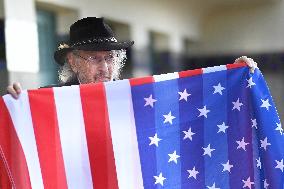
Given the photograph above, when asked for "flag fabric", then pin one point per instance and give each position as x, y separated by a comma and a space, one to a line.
213, 128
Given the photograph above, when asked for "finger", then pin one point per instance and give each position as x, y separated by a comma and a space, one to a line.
11, 91
241, 59
17, 87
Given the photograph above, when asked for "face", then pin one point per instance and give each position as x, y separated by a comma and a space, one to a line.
92, 66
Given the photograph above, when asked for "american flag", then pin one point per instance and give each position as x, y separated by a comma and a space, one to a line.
214, 128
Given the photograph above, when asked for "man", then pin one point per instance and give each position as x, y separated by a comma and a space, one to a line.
92, 55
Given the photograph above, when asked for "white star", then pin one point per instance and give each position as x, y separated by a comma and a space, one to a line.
237, 105
222, 128
169, 118
247, 183
250, 83
279, 128
242, 144
173, 157
264, 143
183, 95
280, 165
258, 163
227, 167
150, 101
254, 123
154, 140
192, 173
208, 150
203, 112
160, 179
212, 187
218, 89
188, 134
265, 104
265, 184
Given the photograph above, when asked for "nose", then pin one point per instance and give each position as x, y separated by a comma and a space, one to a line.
103, 65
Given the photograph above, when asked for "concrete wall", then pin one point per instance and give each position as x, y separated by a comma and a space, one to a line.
20, 34
177, 20
242, 29
162, 15
1, 9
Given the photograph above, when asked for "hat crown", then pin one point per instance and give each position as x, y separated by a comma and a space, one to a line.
89, 28
90, 34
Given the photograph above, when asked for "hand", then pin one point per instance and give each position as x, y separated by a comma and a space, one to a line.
249, 61
14, 90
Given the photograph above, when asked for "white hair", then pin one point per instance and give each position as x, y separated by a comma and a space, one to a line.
66, 74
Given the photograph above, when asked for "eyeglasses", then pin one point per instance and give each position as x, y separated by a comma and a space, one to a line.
108, 58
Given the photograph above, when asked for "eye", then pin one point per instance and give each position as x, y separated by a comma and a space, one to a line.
93, 58
109, 57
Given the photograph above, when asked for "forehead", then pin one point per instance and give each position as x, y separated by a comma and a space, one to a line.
95, 53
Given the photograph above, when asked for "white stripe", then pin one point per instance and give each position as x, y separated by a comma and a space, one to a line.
214, 69
21, 117
123, 132
73, 137
164, 77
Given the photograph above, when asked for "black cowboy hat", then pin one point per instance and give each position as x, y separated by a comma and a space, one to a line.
90, 34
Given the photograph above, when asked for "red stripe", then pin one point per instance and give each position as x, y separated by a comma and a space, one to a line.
141, 81
189, 73
98, 136
12, 153
4, 177
236, 65
46, 131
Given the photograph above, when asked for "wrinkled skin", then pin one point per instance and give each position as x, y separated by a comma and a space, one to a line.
92, 71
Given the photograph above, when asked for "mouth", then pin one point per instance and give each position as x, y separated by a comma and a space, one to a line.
102, 79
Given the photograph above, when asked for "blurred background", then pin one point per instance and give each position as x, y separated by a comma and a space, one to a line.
169, 36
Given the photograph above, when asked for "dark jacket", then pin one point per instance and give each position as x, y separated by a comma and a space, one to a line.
74, 82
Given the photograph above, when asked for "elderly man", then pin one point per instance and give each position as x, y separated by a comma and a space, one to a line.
92, 55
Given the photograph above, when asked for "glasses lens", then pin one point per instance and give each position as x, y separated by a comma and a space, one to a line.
107, 58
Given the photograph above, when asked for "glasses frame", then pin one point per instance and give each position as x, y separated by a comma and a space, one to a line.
108, 59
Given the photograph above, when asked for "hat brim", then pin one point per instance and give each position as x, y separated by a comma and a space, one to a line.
60, 54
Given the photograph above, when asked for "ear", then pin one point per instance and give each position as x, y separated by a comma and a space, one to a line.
71, 60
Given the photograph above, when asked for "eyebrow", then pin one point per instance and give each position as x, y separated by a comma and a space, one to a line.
98, 54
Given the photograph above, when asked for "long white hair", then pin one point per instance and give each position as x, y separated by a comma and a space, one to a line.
65, 73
